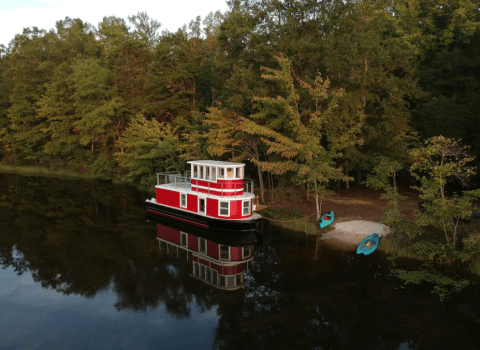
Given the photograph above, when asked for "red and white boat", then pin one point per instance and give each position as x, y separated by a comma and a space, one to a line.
212, 194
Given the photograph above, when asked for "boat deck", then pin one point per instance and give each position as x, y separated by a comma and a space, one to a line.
187, 187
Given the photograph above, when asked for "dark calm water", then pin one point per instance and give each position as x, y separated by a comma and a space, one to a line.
83, 269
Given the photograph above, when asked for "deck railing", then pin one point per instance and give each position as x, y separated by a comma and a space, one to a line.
248, 186
176, 179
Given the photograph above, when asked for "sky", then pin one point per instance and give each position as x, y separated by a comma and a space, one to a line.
172, 14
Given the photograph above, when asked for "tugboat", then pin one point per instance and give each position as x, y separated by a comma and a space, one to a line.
212, 194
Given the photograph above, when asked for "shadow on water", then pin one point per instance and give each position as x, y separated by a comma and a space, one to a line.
280, 290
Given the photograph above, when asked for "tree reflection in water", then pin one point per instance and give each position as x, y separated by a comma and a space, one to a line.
84, 237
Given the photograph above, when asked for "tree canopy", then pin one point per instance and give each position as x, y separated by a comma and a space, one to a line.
354, 78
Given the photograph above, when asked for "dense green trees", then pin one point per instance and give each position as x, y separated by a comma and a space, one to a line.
446, 37
74, 97
296, 135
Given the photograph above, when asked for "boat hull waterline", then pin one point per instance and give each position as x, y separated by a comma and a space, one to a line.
200, 220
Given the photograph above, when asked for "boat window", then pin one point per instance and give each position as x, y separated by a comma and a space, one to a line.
195, 269
222, 281
214, 276
229, 173
246, 252
207, 173
183, 200
202, 272
221, 173
246, 207
239, 280
223, 208
201, 172
184, 239
202, 245
224, 252
195, 171
214, 173
239, 173
208, 275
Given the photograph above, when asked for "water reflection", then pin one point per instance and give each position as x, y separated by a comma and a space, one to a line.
215, 263
82, 268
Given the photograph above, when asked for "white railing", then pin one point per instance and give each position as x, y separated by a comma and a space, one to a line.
176, 179
246, 187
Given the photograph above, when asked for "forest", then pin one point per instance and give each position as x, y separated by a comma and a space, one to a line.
307, 92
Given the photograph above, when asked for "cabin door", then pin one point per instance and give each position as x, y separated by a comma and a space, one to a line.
202, 205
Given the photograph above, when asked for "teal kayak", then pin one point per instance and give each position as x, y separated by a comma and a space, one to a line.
369, 244
326, 219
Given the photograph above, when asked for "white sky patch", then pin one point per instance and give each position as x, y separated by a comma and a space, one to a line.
19, 14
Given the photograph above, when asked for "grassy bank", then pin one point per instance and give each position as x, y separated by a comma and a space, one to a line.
391, 246
61, 173
292, 220
39, 171
304, 226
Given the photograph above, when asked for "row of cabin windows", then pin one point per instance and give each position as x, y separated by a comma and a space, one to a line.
212, 173
211, 275
224, 252
223, 206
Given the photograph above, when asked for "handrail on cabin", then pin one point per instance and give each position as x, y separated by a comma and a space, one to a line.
176, 178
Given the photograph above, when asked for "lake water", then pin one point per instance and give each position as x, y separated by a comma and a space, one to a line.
82, 268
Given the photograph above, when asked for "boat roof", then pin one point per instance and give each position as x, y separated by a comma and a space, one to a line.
215, 162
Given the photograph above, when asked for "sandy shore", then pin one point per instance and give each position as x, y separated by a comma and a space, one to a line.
349, 234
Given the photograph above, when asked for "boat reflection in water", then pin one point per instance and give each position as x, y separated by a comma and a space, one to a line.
217, 259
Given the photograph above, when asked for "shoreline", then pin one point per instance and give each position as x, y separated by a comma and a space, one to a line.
347, 235
42, 171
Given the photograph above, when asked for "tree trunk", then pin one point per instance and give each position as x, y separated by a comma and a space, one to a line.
262, 189
316, 202
455, 232
270, 185
260, 177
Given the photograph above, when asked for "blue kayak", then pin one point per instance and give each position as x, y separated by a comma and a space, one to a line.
326, 219
369, 244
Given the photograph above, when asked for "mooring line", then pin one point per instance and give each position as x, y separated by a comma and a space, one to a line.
306, 217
